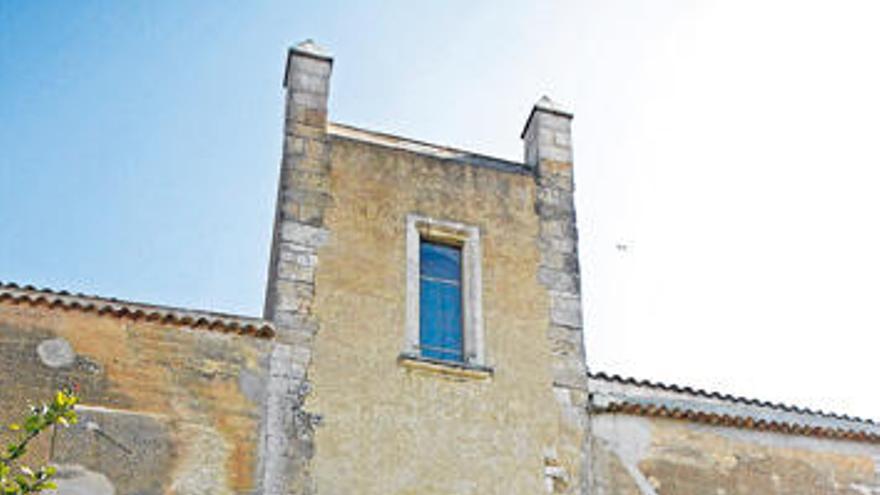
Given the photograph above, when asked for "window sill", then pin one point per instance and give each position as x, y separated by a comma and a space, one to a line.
448, 368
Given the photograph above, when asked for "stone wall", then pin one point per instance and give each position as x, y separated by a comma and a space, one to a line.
166, 407
651, 438
299, 231
548, 152
634, 455
389, 426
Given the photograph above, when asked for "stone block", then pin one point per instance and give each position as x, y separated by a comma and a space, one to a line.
306, 195
300, 102
556, 178
316, 117
560, 260
563, 228
300, 179
297, 146
308, 163
294, 296
291, 323
316, 147
570, 373
304, 235
558, 244
553, 199
565, 309
558, 280
555, 153
562, 139
298, 255
304, 82
555, 122
296, 264
565, 340
308, 213
551, 167
300, 64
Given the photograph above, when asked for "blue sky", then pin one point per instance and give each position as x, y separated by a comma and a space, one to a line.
730, 145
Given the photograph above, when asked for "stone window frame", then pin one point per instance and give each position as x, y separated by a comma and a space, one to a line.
420, 227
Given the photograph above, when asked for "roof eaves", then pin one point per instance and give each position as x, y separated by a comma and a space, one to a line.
738, 421
697, 392
616, 394
27, 294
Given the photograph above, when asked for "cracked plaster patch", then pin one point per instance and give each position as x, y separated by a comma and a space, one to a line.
56, 353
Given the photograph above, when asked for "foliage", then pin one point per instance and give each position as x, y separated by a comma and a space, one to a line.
17, 478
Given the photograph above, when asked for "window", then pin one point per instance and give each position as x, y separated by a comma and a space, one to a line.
444, 314
440, 316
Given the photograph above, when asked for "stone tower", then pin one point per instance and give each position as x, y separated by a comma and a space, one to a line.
427, 307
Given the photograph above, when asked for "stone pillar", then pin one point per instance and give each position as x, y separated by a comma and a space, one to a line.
548, 152
303, 189
303, 197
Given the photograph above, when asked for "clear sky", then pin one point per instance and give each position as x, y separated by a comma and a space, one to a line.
727, 159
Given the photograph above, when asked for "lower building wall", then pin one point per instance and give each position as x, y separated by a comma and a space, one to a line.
634, 455
165, 409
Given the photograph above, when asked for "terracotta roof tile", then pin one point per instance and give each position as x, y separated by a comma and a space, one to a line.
721, 396
16, 294
616, 394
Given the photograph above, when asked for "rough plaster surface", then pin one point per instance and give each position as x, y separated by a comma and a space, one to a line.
56, 353
161, 405
390, 429
651, 456
73, 479
203, 455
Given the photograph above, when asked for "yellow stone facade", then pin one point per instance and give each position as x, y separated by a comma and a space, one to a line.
392, 428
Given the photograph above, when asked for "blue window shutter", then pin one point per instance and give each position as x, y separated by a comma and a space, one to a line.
440, 318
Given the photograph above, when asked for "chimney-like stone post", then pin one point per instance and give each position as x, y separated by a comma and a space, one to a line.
303, 191
548, 152
303, 197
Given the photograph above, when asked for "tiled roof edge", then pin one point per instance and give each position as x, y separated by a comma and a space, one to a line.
207, 320
696, 392
741, 421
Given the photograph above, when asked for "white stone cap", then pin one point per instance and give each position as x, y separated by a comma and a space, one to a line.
309, 54
311, 49
545, 104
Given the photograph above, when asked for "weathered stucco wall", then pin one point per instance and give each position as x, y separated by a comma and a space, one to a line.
165, 408
635, 455
387, 428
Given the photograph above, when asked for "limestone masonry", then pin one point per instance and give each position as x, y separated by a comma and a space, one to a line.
339, 387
